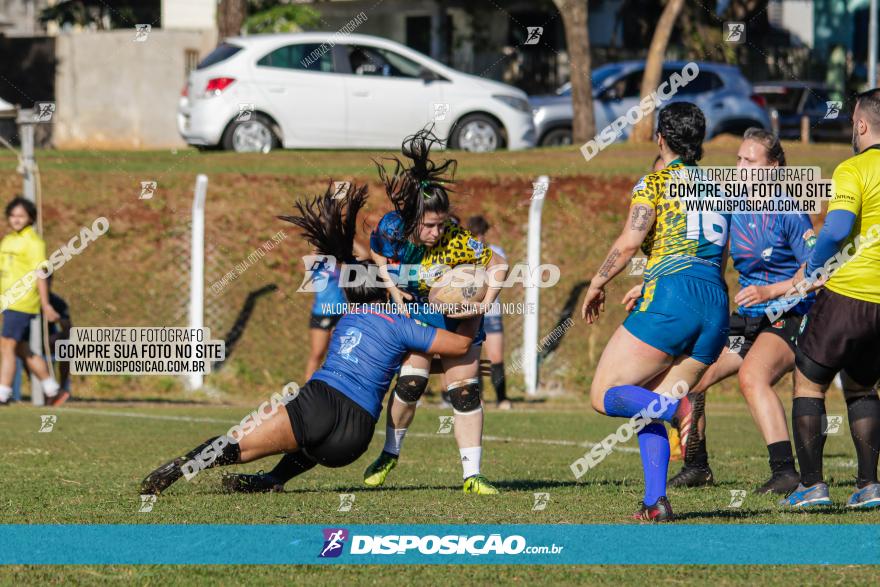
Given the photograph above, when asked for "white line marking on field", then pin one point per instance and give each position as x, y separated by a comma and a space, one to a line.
547, 441
147, 416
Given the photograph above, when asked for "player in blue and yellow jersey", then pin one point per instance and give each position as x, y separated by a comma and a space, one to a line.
415, 241
331, 420
841, 333
767, 250
680, 322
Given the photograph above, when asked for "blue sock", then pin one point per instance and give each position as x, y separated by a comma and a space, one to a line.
654, 449
625, 401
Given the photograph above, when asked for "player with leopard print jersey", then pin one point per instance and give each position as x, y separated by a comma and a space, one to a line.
420, 232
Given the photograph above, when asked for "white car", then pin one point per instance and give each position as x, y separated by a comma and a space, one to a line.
322, 90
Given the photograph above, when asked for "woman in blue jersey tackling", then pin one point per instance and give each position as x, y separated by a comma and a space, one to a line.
331, 420
415, 241
679, 324
767, 250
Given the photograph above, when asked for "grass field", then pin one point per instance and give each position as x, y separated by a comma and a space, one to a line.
88, 469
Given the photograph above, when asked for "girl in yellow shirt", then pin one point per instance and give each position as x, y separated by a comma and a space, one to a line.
23, 293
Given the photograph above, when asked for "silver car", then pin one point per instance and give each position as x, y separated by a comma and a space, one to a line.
721, 91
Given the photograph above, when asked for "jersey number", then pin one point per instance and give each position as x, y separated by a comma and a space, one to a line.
714, 227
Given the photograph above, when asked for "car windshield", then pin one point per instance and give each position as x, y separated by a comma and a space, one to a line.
599, 77
781, 99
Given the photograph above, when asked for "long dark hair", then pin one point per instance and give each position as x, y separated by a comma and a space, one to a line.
421, 186
683, 127
329, 224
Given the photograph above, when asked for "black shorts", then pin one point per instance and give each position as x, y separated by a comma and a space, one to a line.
749, 327
328, 426
324, 322
840, 334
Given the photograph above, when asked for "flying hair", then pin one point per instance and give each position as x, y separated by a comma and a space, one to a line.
329, 221
421, 186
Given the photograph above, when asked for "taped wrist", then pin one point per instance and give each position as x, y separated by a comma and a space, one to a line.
465, 396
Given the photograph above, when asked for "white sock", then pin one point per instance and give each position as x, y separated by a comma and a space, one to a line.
394, 439
50, 386
5, 393
470, 460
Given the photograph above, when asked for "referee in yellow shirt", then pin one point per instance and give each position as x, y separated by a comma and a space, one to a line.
23, 293
841, 333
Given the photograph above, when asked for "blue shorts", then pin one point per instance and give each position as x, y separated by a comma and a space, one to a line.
682, 316
493, 324
17, 325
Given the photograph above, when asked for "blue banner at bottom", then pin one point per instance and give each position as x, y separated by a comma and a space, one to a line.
441, 544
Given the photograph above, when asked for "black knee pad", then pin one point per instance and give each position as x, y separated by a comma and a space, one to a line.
818, 374
410, 388
465, 396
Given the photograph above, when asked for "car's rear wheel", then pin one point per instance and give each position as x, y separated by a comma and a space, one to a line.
557, 137
477, 133
250, 136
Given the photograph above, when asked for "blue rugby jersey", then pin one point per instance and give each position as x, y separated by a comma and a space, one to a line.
366, 351
329, 297
769, 248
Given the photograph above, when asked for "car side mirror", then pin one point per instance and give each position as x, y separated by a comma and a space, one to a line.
428, 75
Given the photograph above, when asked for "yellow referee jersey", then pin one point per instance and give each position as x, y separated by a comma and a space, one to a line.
857, 190
20, 253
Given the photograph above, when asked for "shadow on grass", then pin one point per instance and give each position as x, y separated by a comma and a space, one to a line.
244, 315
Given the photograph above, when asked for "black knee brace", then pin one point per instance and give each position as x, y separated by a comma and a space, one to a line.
410, 388
465, 396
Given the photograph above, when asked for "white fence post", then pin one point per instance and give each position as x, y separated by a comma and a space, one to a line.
532, 302
27, 134
197, 269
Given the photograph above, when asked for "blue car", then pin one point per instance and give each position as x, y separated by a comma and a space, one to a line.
720, 90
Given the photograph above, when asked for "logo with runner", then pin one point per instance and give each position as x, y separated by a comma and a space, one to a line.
832, 109
318, 268
334, 540
735, 32
533, 35
47, 423
349, 341
735, 343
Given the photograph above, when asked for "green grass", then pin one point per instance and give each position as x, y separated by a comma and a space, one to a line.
87, 470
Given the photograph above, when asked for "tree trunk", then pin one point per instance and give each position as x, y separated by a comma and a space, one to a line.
577, 40
644, 130
230, 18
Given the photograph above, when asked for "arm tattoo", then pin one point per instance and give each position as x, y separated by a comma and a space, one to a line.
639, 220
608, 265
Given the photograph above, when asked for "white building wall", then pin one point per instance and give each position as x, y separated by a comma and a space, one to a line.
795, 16
189, 14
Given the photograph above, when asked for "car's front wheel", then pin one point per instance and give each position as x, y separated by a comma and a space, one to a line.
254, 135
557, 137
477, 133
